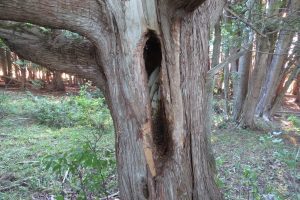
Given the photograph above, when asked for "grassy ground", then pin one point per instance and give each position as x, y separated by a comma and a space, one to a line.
257, 165
251, 165
24, 142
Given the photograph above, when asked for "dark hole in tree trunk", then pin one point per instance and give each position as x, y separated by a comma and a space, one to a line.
152, 58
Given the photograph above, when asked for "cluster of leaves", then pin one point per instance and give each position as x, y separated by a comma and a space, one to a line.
3, 109
84, 110
87, 169
294, 120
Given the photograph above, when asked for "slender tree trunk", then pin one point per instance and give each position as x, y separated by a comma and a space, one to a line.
23, 75
226, 88
214, 62
234, 77
30, 73
3, 64
58, 82
279, 97
245, 63
244, 66
48, 75
9, 64
297, 100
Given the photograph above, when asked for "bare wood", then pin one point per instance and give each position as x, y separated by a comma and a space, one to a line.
228, 60
110, 196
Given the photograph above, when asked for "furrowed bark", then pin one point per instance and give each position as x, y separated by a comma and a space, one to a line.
162, 147
187, 5
256, 81
157, 155
54, 51
84, 17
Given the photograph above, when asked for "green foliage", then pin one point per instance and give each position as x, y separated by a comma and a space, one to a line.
250, 181
81, 110
295, 120
3, 102
2, 44
87, 168
86, 152
289, 158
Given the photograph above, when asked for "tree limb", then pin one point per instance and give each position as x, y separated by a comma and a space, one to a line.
53, 50
187, 5
220, 66
79, 16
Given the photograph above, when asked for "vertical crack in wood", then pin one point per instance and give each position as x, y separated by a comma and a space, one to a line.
158, 132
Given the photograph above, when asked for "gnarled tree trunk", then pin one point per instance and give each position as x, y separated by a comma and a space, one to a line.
153, 56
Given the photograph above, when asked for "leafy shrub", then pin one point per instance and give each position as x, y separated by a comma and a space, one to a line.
81, 110
295, 120
3, 108
87, 169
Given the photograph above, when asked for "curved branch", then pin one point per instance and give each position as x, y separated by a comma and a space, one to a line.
84, 17
187, 5
54, 51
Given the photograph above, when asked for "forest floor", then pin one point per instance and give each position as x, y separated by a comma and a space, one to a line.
250, 164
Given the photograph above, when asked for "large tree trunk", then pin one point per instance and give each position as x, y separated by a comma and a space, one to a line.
256, 81
154, 56
244, 66
165, 138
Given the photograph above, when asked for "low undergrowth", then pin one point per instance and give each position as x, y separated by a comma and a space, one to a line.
256, 165
63, 148
55, 147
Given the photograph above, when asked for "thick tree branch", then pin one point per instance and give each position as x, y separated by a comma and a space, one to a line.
78, 16
53, 50
187, 5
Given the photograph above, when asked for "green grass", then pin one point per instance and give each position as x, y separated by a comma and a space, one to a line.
24, 142
252, 165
